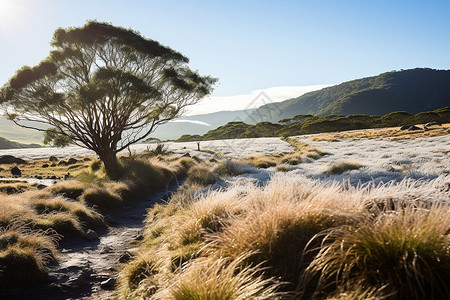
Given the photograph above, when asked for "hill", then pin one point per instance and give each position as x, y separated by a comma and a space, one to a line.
308, 124
11, 131
7, 144
414, 91
198, 124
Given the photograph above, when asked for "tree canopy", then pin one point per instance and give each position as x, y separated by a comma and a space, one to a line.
102, 88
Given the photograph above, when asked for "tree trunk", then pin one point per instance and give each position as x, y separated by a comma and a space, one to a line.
112, 166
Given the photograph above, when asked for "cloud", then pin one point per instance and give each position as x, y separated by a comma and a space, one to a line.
251, 100
191, 121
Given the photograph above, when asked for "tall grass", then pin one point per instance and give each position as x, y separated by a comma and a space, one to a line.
222, 278
69, 208
406, 250
322, 240
24, 255
341, 167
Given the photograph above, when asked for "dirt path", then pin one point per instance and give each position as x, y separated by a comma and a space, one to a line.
88, 269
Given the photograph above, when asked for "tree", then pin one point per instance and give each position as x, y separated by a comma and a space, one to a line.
103, 88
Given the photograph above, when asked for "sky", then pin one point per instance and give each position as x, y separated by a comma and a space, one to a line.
284, 48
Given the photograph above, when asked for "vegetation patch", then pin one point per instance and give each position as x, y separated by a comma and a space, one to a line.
341, 167
24, 255
68, 208
317, 240
405, 251
302, 151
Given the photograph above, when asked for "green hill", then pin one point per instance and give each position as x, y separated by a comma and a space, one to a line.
414, 91
308, 124
7, 144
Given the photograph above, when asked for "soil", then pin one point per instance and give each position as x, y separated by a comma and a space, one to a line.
88, 269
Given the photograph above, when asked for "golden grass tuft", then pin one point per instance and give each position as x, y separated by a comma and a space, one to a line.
262, 161
302, 151
406, 250
222, 278
206, 173
24, 255
70, 188
87, 217
341, 167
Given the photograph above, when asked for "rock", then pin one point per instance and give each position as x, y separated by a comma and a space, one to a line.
45, 165
53, 158
405, 127
16, 171
39, 177
108, 283
139, 237
106, 249
41, 186
86, 159
186, 155
63, 163
91, 235
67, 176
9, 159
434, 123
11, 190
53, 177
414, 128
72, 161
125, 257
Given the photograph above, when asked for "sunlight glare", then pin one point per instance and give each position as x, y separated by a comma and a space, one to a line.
13, 16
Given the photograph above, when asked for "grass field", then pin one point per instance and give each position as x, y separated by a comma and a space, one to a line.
347, 219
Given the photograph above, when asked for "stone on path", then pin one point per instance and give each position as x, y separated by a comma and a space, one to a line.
91, 235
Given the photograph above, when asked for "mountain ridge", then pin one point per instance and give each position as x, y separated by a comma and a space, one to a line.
403, 90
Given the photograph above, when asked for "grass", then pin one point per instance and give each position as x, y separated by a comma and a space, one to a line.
221, 279
207, 173
68, 208
24, 255
302, 151
35, 169
341, 167
320, 240
407, 251
273, 224
392, 133
13, 187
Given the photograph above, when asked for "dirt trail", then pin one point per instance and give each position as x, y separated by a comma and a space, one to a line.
84, 265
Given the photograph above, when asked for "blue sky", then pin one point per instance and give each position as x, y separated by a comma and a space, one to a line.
250, 45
